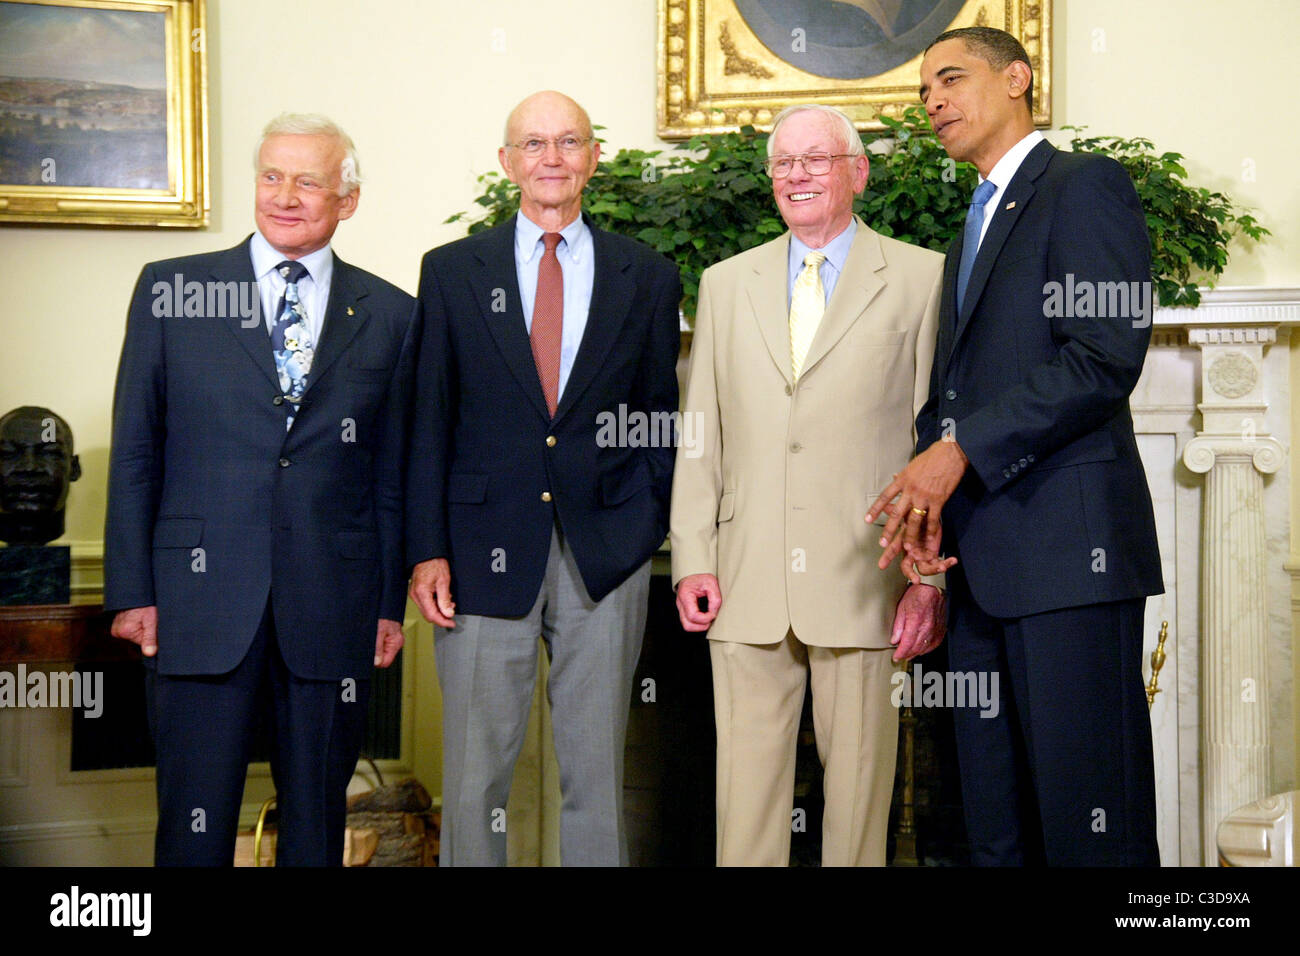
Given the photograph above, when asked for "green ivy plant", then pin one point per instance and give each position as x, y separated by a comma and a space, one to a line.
708, 198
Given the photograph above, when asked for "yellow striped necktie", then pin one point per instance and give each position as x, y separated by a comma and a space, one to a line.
807, 303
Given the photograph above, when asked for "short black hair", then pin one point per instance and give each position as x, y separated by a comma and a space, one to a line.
997, 47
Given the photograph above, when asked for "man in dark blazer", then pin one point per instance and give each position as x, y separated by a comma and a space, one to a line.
253, 545
540, 471
1026, 448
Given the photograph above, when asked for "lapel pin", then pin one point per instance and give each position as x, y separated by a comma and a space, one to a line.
350, 312
1010, 205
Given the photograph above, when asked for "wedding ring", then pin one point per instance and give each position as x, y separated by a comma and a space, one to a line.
920, 511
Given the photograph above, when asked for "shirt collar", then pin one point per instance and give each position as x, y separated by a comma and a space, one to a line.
319, 264
1005, 168
837, 250
528, 235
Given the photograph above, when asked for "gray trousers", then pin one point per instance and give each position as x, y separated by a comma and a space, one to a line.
487, 667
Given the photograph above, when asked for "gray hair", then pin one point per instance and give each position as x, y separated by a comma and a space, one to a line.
314, 124
852, 141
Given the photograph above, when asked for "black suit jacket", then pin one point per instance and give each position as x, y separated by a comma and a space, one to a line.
212, 505
484, 449
1054, 509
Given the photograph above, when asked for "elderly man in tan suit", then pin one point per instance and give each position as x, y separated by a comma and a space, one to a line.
810, 360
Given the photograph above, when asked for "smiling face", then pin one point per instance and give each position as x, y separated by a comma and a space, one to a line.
977, 112
550, 184
298, 202
816, 208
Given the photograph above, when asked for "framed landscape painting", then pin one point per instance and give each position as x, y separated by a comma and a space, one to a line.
728, 63
103, 112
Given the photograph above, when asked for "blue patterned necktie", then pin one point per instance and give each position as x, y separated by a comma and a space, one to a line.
291, 341
970, 243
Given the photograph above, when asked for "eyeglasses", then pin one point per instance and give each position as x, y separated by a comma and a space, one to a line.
565, 144
814, 164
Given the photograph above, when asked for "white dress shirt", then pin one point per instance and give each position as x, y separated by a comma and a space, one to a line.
1003, 172
313, 288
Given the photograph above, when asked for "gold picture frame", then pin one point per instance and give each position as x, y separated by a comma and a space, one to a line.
103, 112
724, 64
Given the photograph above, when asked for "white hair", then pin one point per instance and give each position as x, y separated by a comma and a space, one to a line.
314, 124
852, 141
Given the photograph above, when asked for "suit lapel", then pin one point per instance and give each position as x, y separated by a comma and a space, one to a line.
345, 314
611, 296
1016, 197
769, 298
858, 284
505, 319
237, 264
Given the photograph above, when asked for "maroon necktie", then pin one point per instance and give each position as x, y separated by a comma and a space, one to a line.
548, 320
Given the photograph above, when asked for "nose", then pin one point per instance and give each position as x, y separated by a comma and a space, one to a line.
798, 172
551, 154
287, 194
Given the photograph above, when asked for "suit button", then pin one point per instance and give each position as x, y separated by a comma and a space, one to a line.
796, 447
1030, 458
278, 400
284, 462
550, 441
1014, 468
546, 496
1006, 472
789, 390
1024, 462
951, 394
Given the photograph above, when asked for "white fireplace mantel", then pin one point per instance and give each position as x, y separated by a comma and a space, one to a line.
1213, 416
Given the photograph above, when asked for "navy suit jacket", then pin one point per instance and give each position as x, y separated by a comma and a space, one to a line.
212, 505
484, 449
1054, 509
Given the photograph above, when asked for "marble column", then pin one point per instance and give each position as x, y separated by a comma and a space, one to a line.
1234, 451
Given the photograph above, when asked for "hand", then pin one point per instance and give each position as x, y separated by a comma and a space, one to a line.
916, 563
919, 622
388, 641
431, 591
139, 625
922, 489
689, 590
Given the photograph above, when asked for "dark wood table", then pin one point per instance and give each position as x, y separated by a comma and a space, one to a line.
60, 633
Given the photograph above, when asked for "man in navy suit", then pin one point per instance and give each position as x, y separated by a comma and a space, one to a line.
253, 545
1026, 449
541, 466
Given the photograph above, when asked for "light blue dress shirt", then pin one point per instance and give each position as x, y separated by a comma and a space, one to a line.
577, 261
837, 250
313, 288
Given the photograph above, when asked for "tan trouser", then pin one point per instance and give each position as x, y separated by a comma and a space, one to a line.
758, 696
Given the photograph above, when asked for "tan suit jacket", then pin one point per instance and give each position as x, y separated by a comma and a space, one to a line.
773, 479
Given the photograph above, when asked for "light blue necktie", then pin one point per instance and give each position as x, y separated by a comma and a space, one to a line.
970, 243
291, 341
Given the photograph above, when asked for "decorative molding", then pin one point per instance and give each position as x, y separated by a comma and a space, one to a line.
1264, 452
1237, 305
87, 828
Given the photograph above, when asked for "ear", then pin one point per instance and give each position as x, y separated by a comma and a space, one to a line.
861, 173
1019, 79
348, 203
503, 157
74, 471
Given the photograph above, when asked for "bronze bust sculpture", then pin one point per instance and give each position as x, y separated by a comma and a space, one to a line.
37, 464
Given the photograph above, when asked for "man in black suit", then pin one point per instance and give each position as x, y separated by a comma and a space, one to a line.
253, 545
541, 466
1026, 448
